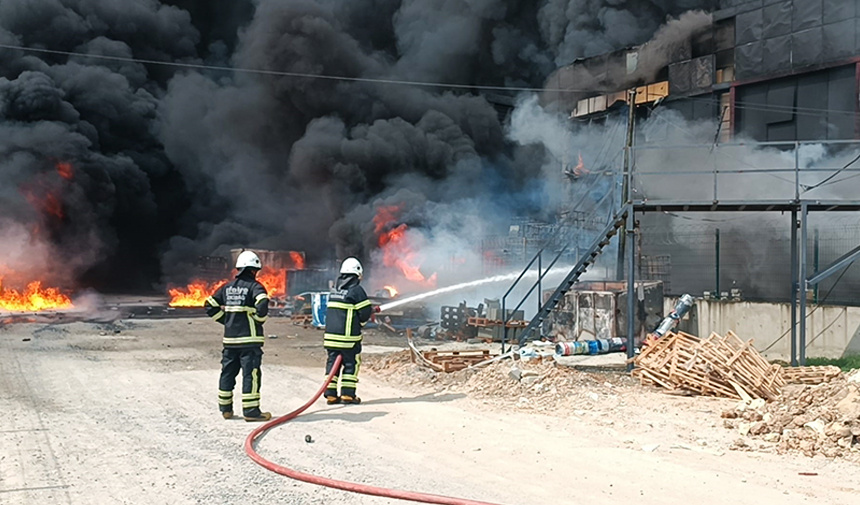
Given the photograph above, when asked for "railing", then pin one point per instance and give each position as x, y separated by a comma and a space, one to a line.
541, 274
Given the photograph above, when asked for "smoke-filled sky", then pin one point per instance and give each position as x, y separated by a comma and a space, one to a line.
118, 174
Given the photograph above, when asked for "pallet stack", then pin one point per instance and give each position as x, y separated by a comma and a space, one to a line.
452, 361
811, 374
716, 366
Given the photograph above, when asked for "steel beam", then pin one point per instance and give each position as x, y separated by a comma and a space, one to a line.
631, 277
794, 287
845, 260
804, 232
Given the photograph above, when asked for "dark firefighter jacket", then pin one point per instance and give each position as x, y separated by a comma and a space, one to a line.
241, 306
347, 310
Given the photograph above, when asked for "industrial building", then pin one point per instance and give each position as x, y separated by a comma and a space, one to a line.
776, 76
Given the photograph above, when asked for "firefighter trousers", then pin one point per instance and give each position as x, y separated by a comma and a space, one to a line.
248, 360
348, 373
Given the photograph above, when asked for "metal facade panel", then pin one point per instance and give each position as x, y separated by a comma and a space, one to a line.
776, 19
780, 101
702, 77
838, 40
748, 27
748, 60
806, 47
857, 35
679, 78
781, 131
811, 104
806, 14
776, 55
751, 110
841, 99
838, 10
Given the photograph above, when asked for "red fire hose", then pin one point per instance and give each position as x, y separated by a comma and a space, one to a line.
339, 484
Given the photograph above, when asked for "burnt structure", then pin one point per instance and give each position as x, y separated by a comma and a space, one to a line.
775, 80
772, 70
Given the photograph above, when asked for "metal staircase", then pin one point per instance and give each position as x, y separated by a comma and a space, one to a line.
586, 260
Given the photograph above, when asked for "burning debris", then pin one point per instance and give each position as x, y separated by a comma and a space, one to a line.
274, 276
398, 251
33, 298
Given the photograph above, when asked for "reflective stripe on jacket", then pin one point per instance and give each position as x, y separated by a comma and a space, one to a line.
242, 306
347, 310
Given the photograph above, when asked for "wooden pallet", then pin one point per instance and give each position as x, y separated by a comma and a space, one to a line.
302, 319
715, 366
810, 374
483, 322
451, 361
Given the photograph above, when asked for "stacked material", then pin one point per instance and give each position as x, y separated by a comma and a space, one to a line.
811, 374
715, 366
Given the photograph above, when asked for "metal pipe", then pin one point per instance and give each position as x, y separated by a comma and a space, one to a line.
802, 281
539, 293
796, 170
794, 287
631, 277
717, 256
504, 326
815, 265
540, 290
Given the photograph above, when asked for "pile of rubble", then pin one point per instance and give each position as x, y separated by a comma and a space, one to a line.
813, 419
529, 385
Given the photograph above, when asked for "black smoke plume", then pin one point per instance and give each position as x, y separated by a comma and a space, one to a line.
170, 163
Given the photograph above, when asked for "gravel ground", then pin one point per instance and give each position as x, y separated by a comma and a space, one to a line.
126, 412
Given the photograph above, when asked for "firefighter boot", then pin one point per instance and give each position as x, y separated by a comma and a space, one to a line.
350, 400
257, 416
227, 414
332, 400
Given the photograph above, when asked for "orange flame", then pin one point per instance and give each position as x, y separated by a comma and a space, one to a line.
197, 291
194, 294
33, 298
64, 168
392, 291
49, 203
298, 260
396, 250
274, 280
580, 169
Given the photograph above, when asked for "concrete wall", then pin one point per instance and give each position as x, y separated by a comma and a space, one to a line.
831, 331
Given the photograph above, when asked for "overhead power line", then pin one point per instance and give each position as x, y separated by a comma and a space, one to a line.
280, 73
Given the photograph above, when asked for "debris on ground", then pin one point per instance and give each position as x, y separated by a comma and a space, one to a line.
531, 385
715, 366
812, 419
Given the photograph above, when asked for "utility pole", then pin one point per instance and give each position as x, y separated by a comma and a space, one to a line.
627, 179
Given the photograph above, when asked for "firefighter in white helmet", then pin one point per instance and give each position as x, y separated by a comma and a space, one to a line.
241, 306
347, 310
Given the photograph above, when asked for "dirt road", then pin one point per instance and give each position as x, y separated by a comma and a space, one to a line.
126, 413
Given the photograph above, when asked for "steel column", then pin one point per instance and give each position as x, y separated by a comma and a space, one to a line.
815, 259
794, 286
717, 257
804, 232
631, 305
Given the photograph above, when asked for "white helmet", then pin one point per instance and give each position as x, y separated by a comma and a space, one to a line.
248, 259
352, 266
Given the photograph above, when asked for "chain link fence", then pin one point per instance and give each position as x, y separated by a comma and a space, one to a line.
753, 258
